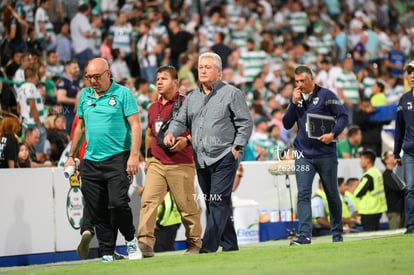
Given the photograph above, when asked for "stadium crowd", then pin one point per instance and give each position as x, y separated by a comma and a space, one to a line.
350, 47
357, 49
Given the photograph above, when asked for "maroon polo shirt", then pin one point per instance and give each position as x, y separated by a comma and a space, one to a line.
159, 111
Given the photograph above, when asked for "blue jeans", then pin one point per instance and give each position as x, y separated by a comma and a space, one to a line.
305, 170
408, 163
351, 112
82, 58
149, 73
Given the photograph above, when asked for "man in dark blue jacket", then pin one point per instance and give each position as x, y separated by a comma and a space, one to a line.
404, 138
315, 154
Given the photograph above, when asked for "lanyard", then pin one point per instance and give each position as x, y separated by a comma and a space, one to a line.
160, 109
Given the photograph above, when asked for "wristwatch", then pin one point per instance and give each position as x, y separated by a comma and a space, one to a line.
238, 148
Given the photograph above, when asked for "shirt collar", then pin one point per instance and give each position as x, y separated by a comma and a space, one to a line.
68, 77
107, 93
316, 89
214, 87
173, 99
312, 94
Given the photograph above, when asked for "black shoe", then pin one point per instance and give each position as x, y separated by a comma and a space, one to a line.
205, 250
337, 239
409, 231
301, 240
231, 249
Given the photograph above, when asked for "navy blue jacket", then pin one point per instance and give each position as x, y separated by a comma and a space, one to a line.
322, 102
404, 126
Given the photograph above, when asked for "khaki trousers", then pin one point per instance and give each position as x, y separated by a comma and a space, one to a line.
179, 179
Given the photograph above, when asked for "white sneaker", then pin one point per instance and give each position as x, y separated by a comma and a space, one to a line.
133, 250
107, 258
84, 243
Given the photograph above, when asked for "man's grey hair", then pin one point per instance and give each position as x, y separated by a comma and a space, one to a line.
303, 69
217, 60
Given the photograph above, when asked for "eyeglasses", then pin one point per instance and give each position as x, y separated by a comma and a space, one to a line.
410, 70
97, 77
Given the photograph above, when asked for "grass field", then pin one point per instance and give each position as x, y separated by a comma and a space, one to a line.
384, 252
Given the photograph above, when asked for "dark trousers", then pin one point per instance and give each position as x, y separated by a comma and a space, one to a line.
87, 223
69, 117
371, 222
105, 189
165, 237
216, 182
